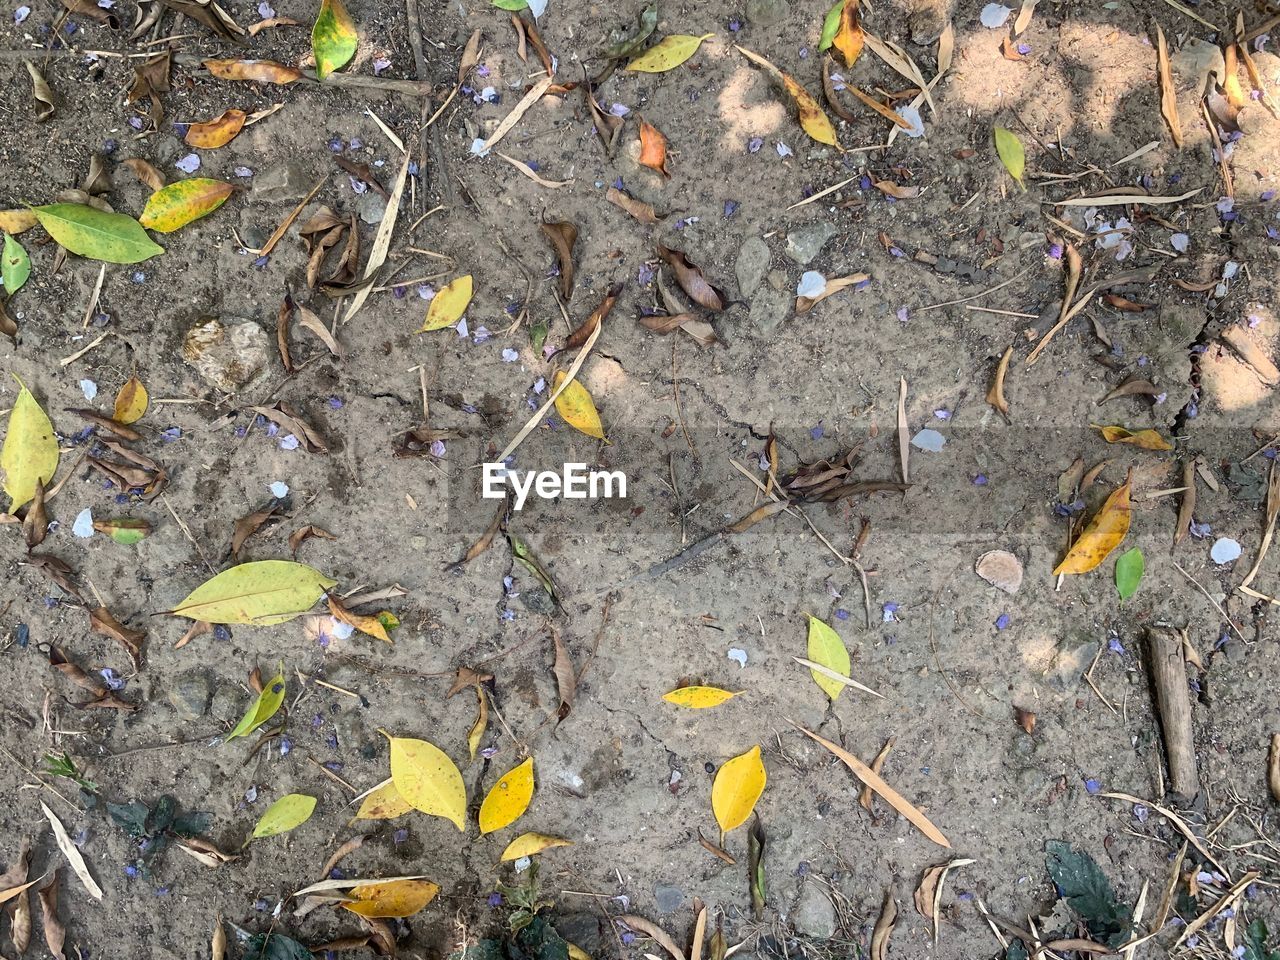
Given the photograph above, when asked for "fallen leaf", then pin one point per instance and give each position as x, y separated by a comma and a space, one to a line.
30, 453
285, 814
371, 626
608, 127
1273, 768
290, 421
383, 802
72, 853
833, 286
55, 934
692, 281
35, 524
826, 648
428, 780
93, 233
131, 401
642, 211
1104, 533
1026, 719
218, 132
566, 676
263, 708
653, 148
883, 929
1014, 158
303, 534
477, 731
535, 94
17, 221
448, 305
630, 45
210, 14
1009, 48
738, 785
41, 92
508, 799
699, 697
562, 235
812, 120
15, 266
653, 931
392, 898
577, 409
263, 592
256, 71
333, 38
145, 172
848, 39
866, 794
529, 172
182, 202
1002, 569
1129, 569
531, 844
1144, 439
668, 53
102, 621
597, 317
995, 396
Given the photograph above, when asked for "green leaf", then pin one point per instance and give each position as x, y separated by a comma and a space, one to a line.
263, 709
629, 46
1088, 892
1129, 573
275, 946
30, 453
668, 53
830, 24
264, 592
1255, 943
15, 266
511, 4
96, 234
333, 38
286, 813
1016, 950
826, 648
180, 203
1011, 153
521, 553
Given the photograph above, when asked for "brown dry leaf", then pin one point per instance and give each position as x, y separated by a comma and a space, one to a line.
1105, 532
284, 416
1133, 387
282, 332
829, 91
1168, 95
995, 396
879, 108
697, 328
530, 28
202, 851
1143, 439
198, 629
218, 132
8, 326
55, 934
247, 526
898, 192
535, 94
41, 92
1273, 768
362, 171
271, 23
566, 677
904, 434
834, 286
309, 321
303, 534
370, 626
211, 15
598, 315
145, 172
865, 794
72, 853
121, 430
883, 929
102, 621
150, 79
532, 174
692, 281
642, 211
608, 127
256, 71
654, 932
59, 660
218, 943
562, 235
91, 9
486, 538
1123, 303
1187, 505
35, 524
873, 780
848, 40
1238, 339
470, 56
928, 895
14, 887
653, 148
1026, 719
57, 571
812, 120
1009, 48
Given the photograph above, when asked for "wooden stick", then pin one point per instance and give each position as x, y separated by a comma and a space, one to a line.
1169, 682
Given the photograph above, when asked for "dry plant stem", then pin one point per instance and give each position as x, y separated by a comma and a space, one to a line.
1169, 682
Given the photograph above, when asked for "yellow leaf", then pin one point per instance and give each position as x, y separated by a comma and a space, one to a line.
508, 799
478, 728
668, 54
285, 814
396, 898
261, 593
263, 709
176, 205
848, 39
368, 625
17, 221
812, 118
699, 698
448, 306
528, 844
1105, 532
30, 453
218, 132
383, 802
1014, 158
1145, 439
737, 787
577, 409
577, 953
826, 648
428, 780
131, 401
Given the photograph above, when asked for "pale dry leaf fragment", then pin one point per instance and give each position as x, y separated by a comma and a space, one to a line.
928, 895
883, 929
529, 172
904, 433
897, 58
642, 211
41, 92
512, 118
1000, 568
218, 943
995, 396
866, 794
381, 241
72, 853
655, 932
309, 321
1168, 95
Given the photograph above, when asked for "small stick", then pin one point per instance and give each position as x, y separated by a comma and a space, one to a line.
80, 353
1208, 596
1169, 682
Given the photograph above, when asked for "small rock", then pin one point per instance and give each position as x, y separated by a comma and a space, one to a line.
536, 599
769, 308
1000, 568
763, 13
753, 263
667, 898
806, 242
814, 915
371, 207
191, 694
227, 356
282, 183
582, 929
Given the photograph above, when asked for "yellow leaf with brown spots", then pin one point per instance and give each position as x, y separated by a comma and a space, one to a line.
1105, 532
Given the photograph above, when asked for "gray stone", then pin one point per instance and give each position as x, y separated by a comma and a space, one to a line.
371, 207
582, 930
753, 262
806, 242
190, 694
769, 308
228, 703
814, 915
535, 598
667, 898
764, 13
227, 355
282, 183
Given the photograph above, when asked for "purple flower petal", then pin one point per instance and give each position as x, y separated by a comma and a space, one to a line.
188, 164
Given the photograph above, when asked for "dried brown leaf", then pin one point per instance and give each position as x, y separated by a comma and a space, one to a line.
562, 235
1168, 95
566, 677
1026, 719
288, 420
883, 929
145, 172
598, 315
865, 795
309, 321
829, 91
642, 211
102, 621
247, 526
55, 934
282, 332
35, 523
995, 396
692, 281
41, 92
1187, 505
655, 932
486, 538
470, 56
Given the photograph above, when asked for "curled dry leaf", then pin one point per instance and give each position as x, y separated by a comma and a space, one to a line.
692, 281
370, 626
470, 56
55, 934
597, 317
102, 621
1143, 439
812, 120
562, 235
608, 127
145, 172
72, 853
866, 795
642, 211
883, 929
41, 92
247, 526
653, 148
529, 172
289, 421
1026, 719
655, 932
1105, 532
697, 328
303, 534
995, 396
218, 132
829, 91
1187, 505
834, 286
928, 895
256, 71
566, 676
897, 191
1273, 768
1133, 387
881, 109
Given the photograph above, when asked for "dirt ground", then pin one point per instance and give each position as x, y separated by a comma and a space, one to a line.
627, 776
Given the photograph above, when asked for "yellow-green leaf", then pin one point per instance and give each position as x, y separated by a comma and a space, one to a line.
428, 780
286, 813
813, 120
1014, 158
131, 401
383, 802
395, 898
826, 648
96, 234
577, 409
699, 698
529, 844
15, 266
509, 798
737, 787
263, 708
668, 53
448, 306
261, 593
126, 530
30, 453
179, 203
1105, 532
333, 38
1144, 439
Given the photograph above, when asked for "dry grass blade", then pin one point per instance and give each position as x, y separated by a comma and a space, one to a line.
838, 677
652, 930
1273, 507
995, 396
1123, 199
1179, 824
822, 193
528, 171
897, 58
874, 781
1168, 95
72, 854
518, 111
699, 935
381, 241
904, 441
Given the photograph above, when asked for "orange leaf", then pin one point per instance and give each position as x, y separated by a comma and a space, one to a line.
1105, 532
653, 148
217, 132
1144, 439
371, 626
848, 39
263, 71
